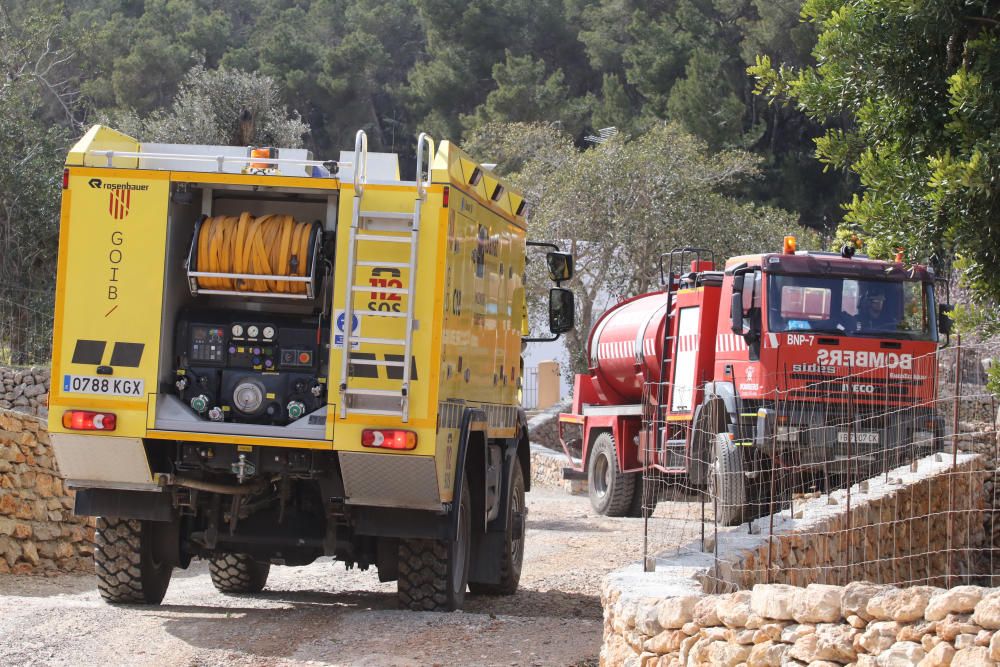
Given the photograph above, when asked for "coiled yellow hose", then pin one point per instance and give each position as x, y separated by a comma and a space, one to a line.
274, 245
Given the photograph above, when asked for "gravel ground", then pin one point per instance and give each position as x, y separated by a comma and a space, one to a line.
322, 614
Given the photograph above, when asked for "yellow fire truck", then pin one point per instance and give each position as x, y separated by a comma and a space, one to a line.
265, 358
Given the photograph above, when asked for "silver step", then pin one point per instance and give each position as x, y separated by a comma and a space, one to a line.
381, 290
371, 392
376, 362
386, 215
382, 239
378, 341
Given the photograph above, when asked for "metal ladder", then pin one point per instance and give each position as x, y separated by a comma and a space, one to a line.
403, 228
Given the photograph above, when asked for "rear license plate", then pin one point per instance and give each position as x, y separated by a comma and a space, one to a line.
105, 386
859, 437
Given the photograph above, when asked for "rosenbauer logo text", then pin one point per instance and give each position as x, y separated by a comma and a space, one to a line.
864, 359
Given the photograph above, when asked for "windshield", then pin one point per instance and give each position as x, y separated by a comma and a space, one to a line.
851, 307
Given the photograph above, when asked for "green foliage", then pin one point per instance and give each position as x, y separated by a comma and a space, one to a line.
620, 205
919, 80
395, 68
208, 110
33, 146
525, 92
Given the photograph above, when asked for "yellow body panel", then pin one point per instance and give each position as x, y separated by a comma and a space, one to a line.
111, 273
468, 310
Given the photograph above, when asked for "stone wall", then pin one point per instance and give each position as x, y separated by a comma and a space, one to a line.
918, 525
38, 532
543, 426
862, 624
25, 390
922, 526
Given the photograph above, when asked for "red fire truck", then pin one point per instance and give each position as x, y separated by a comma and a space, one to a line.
783, 369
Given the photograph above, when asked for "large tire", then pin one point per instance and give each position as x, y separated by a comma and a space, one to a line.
639, 494
128, 571
728, 483
238, 573
513, 556
433, 574
611, 491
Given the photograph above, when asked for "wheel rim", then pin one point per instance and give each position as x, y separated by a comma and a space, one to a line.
602, 475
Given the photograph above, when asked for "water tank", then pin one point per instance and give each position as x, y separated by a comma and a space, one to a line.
625, 346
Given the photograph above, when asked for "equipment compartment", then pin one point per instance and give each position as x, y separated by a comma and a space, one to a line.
240, 333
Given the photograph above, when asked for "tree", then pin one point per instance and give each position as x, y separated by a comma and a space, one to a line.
525, 92
919, 81
33, 61
620, 205
222, 107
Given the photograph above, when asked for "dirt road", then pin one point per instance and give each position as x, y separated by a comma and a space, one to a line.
322, 614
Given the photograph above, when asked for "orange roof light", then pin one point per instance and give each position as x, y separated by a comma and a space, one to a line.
899, 255
790, 245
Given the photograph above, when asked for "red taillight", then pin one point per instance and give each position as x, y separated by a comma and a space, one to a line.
444, 196
388, 438
65, 179
82, 420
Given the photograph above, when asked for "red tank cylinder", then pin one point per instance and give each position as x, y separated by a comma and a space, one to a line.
625, 347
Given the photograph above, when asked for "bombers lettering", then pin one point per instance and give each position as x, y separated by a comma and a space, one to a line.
865, 359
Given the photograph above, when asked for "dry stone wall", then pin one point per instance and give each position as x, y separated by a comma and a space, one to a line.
862, 624
922, 526
25, 390
38, 532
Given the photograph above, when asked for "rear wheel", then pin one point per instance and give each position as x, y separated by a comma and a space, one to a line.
433, 574
129, 569
611, 491
238, 573
727, 483
510, 565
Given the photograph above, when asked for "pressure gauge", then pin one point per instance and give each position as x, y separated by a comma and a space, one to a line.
237, 330
268, 332
252, 331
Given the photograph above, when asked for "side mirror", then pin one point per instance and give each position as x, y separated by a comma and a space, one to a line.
560, 266
562, 310
736, 305
944, 318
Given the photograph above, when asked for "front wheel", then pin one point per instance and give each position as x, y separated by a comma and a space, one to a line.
433, 574
727, 482
610, 489
513, 556
129, 568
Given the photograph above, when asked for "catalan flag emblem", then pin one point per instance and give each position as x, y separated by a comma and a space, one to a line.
118, 203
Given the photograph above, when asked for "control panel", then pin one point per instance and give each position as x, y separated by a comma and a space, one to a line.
231, 367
